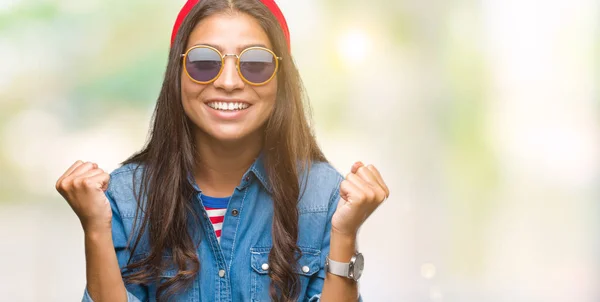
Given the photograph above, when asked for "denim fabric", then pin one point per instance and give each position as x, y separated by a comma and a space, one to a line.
245, 240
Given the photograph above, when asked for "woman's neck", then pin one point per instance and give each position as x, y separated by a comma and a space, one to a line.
220, 166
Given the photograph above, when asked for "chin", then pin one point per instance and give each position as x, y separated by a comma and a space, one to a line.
228, 136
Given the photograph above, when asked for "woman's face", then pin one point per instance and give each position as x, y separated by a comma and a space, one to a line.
230, 33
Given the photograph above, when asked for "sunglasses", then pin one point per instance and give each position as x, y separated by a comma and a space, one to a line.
256, 65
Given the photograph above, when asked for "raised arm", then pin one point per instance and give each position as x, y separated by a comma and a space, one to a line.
83, 186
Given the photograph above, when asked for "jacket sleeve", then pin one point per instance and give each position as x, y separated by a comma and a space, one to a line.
315, 285
135, 293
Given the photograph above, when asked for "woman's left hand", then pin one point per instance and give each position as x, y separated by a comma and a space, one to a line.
361, 193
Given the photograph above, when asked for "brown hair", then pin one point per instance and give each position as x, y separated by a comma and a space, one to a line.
168, 156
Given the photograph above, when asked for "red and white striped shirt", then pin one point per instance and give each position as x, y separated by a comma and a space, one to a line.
216, 216
216, 207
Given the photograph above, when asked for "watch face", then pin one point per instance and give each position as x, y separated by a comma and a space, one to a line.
359, 264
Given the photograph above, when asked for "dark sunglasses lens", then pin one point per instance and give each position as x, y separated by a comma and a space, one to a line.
203, 64
257, 65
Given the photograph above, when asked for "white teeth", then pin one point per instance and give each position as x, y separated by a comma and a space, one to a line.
228, 106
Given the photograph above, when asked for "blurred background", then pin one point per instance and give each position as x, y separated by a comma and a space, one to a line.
483, 117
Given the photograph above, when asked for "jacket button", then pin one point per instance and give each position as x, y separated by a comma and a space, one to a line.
234, 212
221, 273
305, 269
265, 266
247, 178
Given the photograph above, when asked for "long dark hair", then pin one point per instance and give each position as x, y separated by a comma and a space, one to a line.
168, 156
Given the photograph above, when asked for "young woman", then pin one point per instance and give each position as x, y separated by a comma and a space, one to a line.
231, 199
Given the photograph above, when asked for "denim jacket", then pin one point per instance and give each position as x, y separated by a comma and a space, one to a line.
237, 268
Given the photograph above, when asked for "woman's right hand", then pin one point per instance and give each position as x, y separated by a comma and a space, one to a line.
83, 186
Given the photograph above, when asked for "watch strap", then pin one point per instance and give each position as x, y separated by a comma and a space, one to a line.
338, 268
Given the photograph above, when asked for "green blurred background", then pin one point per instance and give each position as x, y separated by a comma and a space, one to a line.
483, 117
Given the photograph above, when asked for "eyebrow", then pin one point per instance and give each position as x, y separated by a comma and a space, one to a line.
239, 48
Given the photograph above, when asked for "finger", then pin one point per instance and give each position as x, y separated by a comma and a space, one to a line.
366, 191
91, 173
101, 180
348, 189
356, 166
367, 176
372, 192
69, 171
379, 180
357, 181
83, 168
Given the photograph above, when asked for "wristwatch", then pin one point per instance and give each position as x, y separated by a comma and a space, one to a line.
351, 270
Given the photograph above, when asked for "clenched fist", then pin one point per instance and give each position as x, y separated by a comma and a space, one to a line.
361, 193
83, 186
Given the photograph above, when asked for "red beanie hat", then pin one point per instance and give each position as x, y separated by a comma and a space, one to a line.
270, 4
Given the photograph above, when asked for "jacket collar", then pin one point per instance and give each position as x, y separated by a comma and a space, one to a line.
257, 169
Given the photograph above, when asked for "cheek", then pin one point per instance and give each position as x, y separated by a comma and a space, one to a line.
268, 93
189, 90
190, 96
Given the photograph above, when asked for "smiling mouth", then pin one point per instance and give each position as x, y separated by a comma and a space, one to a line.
228, 106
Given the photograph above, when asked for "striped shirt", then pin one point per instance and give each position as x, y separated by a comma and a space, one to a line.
216, 207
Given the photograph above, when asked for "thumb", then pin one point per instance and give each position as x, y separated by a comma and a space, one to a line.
104, 182
101, 181
347, 191
356, 166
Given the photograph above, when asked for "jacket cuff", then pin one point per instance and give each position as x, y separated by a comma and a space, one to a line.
87, 298
317, 298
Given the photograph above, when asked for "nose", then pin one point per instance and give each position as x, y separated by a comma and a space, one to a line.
229, 80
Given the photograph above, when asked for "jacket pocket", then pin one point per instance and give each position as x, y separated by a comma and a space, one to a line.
308, 265
187, 294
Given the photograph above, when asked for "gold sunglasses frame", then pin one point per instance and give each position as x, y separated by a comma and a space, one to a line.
237, 64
